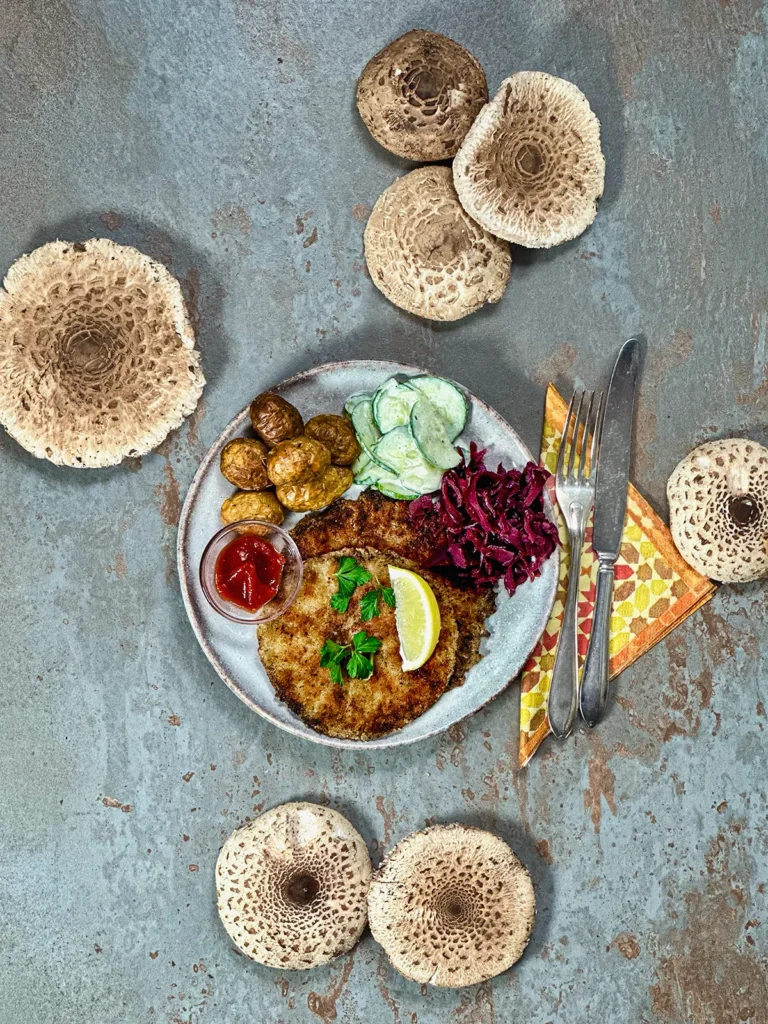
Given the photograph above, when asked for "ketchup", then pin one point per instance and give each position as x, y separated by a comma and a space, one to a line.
248, 572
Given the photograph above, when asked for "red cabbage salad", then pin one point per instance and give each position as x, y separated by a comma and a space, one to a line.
488, 526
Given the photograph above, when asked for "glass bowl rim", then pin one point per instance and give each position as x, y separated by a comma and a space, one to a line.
218, 604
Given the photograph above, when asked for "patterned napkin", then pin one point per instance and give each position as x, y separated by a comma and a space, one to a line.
655, 591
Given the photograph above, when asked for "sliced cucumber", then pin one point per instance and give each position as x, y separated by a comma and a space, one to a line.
389, 484
392, 404
395, 490
367, 432
360, 468
421, 480
398, 451
406, 430
446, 398
430, 434
355, 400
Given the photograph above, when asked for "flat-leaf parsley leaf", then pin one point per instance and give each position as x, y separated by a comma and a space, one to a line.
331, 657
339, 603
369, 605
364, 643
358, 657
350, 575
359, 667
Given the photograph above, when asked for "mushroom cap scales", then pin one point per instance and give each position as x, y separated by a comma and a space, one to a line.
292, 886
718, 509
531, 169
426, 255
420, 94
97, 353
452, 906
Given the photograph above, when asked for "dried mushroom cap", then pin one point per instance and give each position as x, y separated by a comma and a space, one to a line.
292, 885
531, 169
420, 94
426, 255
452, 906
97, 353
718, 510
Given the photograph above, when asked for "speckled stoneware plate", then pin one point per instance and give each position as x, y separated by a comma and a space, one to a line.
232, 649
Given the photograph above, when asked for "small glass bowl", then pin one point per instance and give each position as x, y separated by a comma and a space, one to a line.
290, 581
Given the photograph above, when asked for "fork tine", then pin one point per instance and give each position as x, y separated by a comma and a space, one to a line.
597, 434
564, 440
575, 438
585, 441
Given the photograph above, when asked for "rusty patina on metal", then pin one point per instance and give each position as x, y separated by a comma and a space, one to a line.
222, 139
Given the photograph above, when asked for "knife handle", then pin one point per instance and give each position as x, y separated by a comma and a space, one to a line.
594, 679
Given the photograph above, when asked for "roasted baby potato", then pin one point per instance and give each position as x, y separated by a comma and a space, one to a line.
336, 433
252, 505
297, 460
243, 462
274, 419
318, 492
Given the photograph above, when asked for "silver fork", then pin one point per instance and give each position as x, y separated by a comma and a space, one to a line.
575, 490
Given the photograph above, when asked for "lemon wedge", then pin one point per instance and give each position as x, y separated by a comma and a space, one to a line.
417, 617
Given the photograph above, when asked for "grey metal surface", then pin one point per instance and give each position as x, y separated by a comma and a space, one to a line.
221, 137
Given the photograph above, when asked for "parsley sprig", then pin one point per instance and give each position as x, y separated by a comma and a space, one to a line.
358, 657
369, 605
350, 575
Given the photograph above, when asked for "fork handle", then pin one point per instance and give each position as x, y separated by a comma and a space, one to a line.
563, 689
594, 680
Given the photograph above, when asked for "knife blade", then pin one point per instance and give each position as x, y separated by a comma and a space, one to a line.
615, 446
608, 524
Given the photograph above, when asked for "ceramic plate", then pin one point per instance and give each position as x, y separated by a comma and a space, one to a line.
232, 649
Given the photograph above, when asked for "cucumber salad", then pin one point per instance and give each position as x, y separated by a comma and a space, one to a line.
407, 429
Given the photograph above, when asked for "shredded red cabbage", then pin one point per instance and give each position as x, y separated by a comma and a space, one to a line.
488, 526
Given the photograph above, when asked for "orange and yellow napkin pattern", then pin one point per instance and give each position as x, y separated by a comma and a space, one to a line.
655, 591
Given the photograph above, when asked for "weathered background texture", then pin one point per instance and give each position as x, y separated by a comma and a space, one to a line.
222, 138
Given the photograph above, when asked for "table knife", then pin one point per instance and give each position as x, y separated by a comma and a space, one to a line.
608, 524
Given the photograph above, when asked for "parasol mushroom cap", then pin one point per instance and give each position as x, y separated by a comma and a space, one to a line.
426, 255
97, 353
292, 886
452, 906
718, 509
531, 169
420, 94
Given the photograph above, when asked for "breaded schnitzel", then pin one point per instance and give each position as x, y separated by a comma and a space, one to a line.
376, 531
378, 522
361, 709
371, 521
